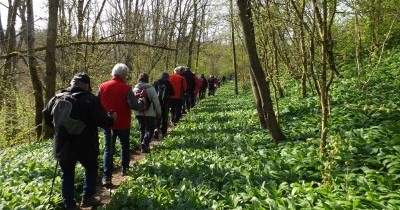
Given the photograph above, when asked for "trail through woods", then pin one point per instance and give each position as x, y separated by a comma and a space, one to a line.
136, 156
117, 178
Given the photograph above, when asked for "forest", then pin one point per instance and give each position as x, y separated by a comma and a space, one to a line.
308, 119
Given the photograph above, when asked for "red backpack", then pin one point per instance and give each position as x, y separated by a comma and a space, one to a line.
142, 99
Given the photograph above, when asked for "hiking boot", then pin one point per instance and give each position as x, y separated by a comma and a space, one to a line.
156, 134
124, 172
93, 201
73, 207
106, 181
145, 149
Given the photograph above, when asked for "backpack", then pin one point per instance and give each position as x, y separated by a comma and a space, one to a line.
61, 112
142, 99
162, 93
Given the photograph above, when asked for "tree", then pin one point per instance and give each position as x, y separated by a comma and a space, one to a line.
324, 19
233, 46
8, 80
193, 34
36, 83
51, 68
261, 84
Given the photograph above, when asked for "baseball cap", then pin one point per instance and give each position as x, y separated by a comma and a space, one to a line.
82, 77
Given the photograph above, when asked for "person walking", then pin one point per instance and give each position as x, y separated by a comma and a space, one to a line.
203, 88
117, 96
197, 89
165, 91
82, 146
191, 86
211, 86
147, 118
179, 85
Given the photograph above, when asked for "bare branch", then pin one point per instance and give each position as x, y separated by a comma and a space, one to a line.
91, 43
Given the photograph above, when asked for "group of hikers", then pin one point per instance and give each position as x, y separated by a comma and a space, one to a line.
76, 125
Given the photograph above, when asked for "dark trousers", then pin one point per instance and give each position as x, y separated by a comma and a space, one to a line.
68, 175
162, 122
211, 91
146, 126
190, 99
176, 110
202, 93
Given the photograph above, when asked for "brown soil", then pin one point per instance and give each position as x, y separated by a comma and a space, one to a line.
106, 193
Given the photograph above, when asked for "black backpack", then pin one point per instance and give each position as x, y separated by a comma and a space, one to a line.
61, 112
162, 93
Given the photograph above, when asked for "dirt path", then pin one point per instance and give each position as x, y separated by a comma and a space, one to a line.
104, 193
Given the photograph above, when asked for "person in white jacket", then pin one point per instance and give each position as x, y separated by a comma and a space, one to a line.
147, 118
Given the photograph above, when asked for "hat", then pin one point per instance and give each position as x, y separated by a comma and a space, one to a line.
164, 75
81, 77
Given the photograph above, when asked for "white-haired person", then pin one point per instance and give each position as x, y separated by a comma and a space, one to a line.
117, 96
179, 84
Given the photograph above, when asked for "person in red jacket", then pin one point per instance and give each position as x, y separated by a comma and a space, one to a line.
117, 96
179, 85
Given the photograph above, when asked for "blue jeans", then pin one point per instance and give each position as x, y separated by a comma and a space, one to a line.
110, 137
147, 126
68, 175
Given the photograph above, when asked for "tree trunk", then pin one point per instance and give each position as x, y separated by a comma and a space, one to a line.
79, 57
51, 68
234, 47
357, 38
193, 34
202, 23
170, 38
96, 20
178, 39
245, 15
9, 75
183, 19
36, 83
275, 60
303, 51
312, 58
326, 62
129, 30
261, 117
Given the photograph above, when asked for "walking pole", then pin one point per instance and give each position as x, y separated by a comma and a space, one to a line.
113, 139
52, 183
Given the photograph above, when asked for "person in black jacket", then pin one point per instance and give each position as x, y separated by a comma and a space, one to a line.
211, 85
165, 91
203, 88
84, 147
191, 86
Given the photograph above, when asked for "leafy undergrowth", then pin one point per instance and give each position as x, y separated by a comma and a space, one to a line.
219, 158
27, 173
